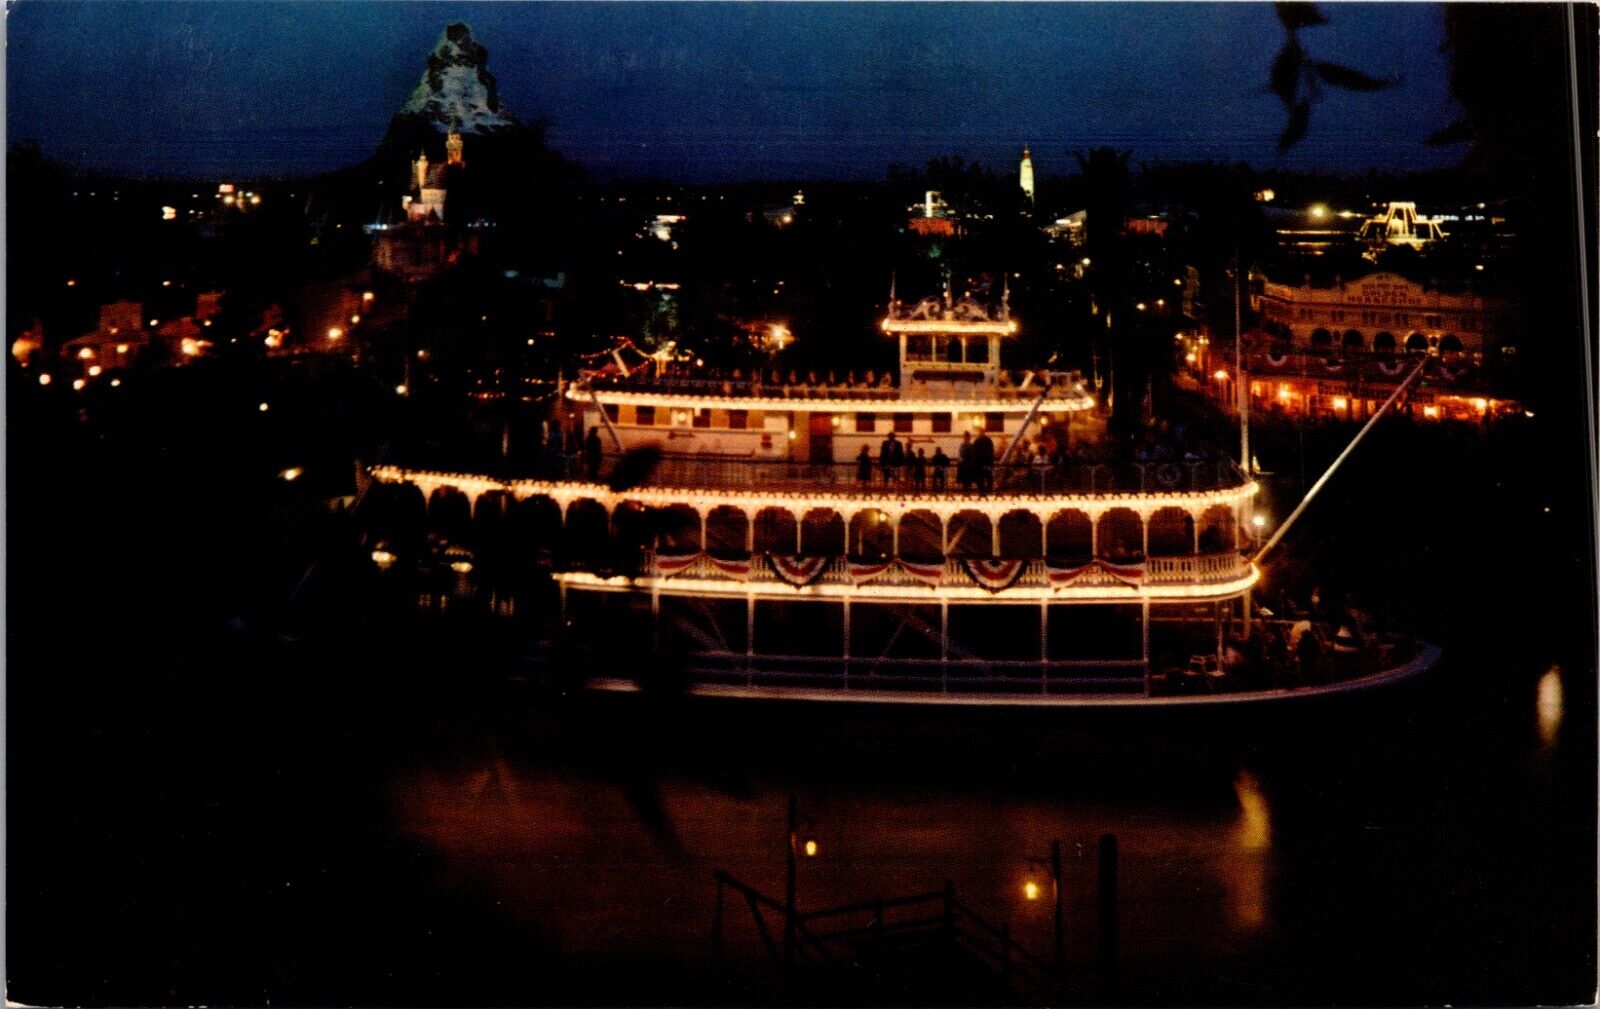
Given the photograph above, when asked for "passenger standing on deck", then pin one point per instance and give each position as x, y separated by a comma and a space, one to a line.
864, 466
919, 469
964, 461
983, 462
592, 453
941, 468
887, 453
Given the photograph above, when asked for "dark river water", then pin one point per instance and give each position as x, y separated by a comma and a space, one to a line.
272, 838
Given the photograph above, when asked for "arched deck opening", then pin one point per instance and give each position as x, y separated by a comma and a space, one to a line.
1219, 530
1071, 536
678, 530
727, 532
1120, 535
871, 535
822, 533
588, 531
1021, 535
1171, 533
970, 535
776, 532
921, 536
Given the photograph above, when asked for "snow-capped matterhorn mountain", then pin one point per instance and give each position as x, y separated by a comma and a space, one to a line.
457, 92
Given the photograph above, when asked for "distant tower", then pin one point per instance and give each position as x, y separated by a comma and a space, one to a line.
420, 170
452, 148
1025, 176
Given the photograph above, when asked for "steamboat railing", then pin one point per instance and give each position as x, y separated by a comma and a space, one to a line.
1072, 477
1192, 569
1060, 384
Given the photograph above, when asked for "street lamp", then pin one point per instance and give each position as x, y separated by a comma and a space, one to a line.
1030, 890
796, 845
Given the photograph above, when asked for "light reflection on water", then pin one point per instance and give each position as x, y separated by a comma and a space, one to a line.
1550, 705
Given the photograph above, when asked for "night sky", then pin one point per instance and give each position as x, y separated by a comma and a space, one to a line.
714, 92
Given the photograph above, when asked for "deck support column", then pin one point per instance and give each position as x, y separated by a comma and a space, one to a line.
1216, 618
994, 537
944, 645
1246, 601
1044, 646
749, 636
750, 535
1144, 635
1094, 535
846, 652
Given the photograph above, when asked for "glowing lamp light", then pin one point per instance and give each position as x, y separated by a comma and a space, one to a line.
291, 474
1259, 521
1087, 261
1480, 405
1478, 267
122, 348
1140, 306
1191, 357
255, 199
155, 322
1283, 393
1177, 281
263, 407
367, 296
334, 332
190, 347
461, 567
1030, 890
836, 422
382, 558
1528, 414
78, 384
793, 434
1220, 375
1430, 411
355, 320
94, 371
1318, 211
86, 354
1339, 402
71, 282
45, 379
401, 390
811, 849
169, 214
166, 283
116, 382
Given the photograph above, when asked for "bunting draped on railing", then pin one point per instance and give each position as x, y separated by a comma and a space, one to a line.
992, 574
865, 571
1131, 573
797, 570
739, 569
1061, 575
927, 573
1391, 368
668, 565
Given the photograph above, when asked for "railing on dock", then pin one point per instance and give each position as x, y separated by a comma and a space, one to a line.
865, 934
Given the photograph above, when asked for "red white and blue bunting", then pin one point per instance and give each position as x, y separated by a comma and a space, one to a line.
668, 565
1062, 575
928, 574
796, 570
992, 574
865, 571
1131, 573
740, 569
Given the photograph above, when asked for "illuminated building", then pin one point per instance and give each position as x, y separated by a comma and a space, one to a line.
780, 565
1383, 313
1025, 177
426, 199
454, 148
1336, 353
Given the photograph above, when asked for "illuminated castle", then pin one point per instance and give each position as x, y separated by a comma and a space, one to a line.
1025, 176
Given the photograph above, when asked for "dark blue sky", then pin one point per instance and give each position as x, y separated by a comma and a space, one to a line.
717, 91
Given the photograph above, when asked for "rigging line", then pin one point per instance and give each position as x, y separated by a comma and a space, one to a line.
1323, 479
1590, 435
